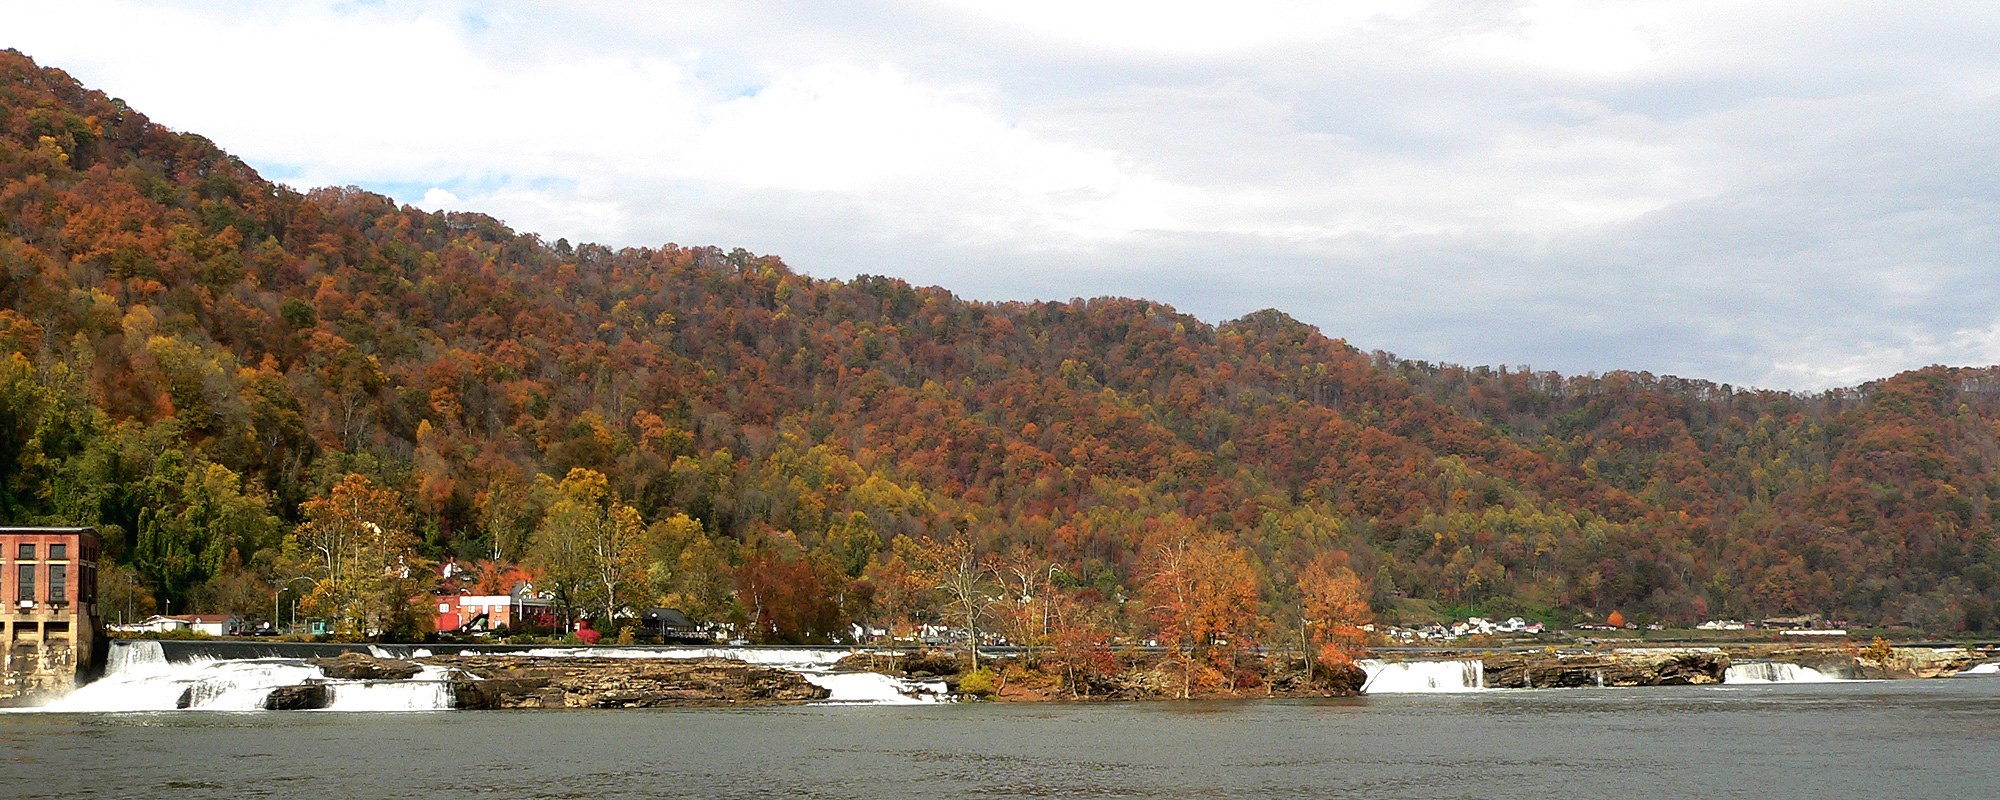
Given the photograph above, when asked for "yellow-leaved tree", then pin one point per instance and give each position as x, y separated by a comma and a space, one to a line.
369, 574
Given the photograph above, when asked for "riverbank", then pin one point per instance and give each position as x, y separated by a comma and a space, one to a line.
1027, 678
245, 676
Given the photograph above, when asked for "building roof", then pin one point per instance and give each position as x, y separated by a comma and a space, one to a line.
668, 618
204, 619
42, 530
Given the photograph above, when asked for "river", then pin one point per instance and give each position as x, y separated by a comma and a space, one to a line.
1936, 738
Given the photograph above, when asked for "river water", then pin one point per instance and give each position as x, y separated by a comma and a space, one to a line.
1937, 738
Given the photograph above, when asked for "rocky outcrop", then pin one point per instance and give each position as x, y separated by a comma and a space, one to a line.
1345, 680
921, 665
304, 697
1648, 667
1880, 663
529, 682
1927, 662
1162, 681
365, 667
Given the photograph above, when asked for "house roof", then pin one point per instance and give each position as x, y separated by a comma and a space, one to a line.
668, 618
204, 619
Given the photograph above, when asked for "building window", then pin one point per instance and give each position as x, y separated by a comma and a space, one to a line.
27, 551
25, 588
58, 582
58, 552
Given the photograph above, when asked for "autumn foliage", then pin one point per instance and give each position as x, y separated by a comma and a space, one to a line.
201, 362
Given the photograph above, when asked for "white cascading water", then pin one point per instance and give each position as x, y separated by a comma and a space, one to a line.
138, 677
428, 690
1774, 672
1989, 668
1422, 677
135, 656
870, 688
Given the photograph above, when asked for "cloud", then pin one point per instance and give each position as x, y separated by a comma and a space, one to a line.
1763, 193
436, 199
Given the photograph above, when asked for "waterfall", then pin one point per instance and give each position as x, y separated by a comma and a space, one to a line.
428, 690
1415, 677
138, 677
1988, 668
870, 688
135, 655
202, 685
1774, 672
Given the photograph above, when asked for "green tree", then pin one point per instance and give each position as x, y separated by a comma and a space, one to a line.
361, 537
686, 569
589, 548
193, 514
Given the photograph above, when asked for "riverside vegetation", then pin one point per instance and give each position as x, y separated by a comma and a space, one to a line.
243, 385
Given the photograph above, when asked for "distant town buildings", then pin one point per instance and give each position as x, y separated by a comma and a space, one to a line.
1516, 626
48, 625
206, 624
1471, 626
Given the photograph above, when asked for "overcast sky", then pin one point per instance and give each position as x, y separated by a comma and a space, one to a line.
1786, 194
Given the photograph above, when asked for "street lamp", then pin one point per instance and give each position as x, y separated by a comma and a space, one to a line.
1049, 605
295, 605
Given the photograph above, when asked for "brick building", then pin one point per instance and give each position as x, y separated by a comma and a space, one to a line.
48, 623
470, 612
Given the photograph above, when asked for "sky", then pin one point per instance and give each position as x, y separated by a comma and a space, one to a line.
1787, 195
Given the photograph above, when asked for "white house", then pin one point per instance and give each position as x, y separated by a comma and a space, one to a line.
154, 624
213, 624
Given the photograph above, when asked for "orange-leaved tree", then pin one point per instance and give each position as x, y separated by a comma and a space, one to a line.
1336, 604
1200, 591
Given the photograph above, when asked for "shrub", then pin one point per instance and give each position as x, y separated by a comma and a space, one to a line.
1880, 652
980, 683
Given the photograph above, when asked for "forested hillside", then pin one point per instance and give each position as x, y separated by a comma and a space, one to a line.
241, 384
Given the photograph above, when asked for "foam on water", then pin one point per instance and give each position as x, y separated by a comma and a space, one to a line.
1989, 668
1774, 672
869, 688
1422, 677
